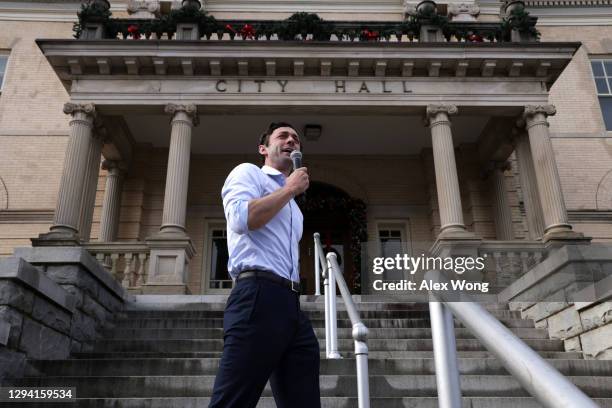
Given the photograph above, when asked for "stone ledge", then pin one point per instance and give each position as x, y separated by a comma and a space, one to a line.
557, 259
20, 270
71, 255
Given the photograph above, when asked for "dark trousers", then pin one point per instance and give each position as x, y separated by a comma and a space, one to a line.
266, 336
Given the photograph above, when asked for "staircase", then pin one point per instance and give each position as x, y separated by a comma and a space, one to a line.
168, 358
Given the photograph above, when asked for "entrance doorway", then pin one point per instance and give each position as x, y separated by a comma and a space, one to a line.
340, 220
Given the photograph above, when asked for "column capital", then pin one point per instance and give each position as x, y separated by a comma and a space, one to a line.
189, 110
71, 108
537, 114
432, 113
548, 110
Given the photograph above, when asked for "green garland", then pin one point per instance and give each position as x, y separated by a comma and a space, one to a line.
91, 13
519, 20
300, 26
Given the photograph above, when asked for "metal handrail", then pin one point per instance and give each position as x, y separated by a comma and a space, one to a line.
331, 273
536, 376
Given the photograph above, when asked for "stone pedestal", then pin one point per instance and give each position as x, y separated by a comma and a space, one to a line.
64, 231
168, 264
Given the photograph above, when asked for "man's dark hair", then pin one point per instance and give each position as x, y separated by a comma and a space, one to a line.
265, 136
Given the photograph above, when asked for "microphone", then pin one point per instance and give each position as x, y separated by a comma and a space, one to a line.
296, 158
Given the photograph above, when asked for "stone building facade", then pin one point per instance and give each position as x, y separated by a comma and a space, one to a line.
122, 146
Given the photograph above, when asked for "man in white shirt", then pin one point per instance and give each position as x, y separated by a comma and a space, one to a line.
266, 335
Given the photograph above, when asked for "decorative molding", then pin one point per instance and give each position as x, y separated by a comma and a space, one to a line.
592, 215
26, 216
566, 3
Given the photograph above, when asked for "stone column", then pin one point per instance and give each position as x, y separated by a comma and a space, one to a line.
547, 176
529, 187
111, 206
447, 181
64, 230
177, 176
171, 248
501, 204
88, 200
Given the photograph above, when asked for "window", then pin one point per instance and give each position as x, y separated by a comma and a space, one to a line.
3, 63
393, 240
602, 72
218, 257
390, 242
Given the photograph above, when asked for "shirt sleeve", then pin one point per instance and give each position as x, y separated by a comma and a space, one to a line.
241, 186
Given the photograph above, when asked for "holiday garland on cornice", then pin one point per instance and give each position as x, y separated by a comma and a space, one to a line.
299, 27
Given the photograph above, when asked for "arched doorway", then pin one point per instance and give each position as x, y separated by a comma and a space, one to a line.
341, 221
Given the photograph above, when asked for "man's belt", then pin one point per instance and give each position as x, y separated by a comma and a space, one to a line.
271, 276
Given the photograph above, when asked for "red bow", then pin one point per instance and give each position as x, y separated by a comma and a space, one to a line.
371, 35
475, 38
247, 32
133, 30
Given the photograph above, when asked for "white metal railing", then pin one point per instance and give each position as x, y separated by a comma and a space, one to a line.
125, 261
328, 265
536, 376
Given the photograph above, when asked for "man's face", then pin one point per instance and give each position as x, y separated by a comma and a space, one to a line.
281, 143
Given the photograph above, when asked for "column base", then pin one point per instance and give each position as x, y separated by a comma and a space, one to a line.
56, 238
459, 244
168, 263
559, 238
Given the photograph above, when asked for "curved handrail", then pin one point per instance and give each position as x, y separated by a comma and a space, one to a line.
538, 377
331, 272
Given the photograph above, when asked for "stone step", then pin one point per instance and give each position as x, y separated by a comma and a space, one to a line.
331, 386
312, 314
217, 333
204, 366
326, 402
572, 355
190, 345
153, 323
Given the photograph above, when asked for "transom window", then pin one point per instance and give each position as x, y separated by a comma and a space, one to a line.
602, 72
390, 241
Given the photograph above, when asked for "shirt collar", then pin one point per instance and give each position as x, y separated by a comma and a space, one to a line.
271, 171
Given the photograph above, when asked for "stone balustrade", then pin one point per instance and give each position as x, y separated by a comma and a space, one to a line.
126, 261
508, 260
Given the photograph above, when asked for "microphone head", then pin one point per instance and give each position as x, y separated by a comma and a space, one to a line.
296, 158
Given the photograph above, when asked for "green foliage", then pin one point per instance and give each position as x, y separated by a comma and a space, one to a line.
90, 13
303, 24
519, 20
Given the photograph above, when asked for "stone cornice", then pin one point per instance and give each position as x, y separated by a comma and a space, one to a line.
72, 59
